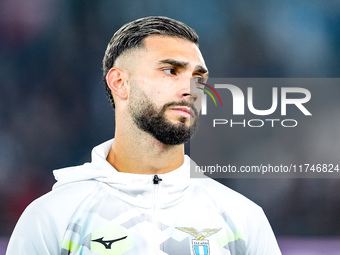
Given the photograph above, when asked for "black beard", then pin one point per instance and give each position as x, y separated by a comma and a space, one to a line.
162, 129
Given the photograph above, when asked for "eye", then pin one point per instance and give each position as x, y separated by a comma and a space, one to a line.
199, 82
198, 79
171, 71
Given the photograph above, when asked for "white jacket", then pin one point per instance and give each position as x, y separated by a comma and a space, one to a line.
94, 209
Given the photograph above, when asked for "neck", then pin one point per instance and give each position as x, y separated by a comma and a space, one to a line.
141, 153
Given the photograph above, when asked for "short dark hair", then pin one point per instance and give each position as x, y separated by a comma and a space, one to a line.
132, 34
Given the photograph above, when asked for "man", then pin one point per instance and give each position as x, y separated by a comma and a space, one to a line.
136, 196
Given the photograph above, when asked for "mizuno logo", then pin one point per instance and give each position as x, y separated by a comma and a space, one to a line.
108, 243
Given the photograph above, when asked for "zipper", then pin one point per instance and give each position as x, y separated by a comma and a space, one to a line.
156, 179
155, 207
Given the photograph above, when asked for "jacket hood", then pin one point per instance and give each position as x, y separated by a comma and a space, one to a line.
175, 182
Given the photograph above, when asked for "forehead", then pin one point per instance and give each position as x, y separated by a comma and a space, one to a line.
161, 47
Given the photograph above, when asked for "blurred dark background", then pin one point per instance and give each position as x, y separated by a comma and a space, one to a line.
53, 108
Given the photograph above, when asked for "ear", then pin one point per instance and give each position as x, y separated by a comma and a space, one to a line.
116, 80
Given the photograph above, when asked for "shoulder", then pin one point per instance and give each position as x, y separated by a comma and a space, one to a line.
49, 213
65, 196
43, 223
224, 195
57, 204
244, 213
233, 206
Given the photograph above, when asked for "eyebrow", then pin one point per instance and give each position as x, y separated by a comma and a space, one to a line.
178, 63
201, 69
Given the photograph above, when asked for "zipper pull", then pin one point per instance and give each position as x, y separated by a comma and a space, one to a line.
156, 179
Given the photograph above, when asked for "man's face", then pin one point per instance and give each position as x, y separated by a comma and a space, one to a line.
161, 101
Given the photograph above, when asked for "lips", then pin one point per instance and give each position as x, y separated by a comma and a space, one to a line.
183, 110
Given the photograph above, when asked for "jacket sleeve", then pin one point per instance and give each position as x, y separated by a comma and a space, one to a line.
35, 233
261, 239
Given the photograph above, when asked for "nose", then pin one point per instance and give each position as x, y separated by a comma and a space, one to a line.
190, 91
